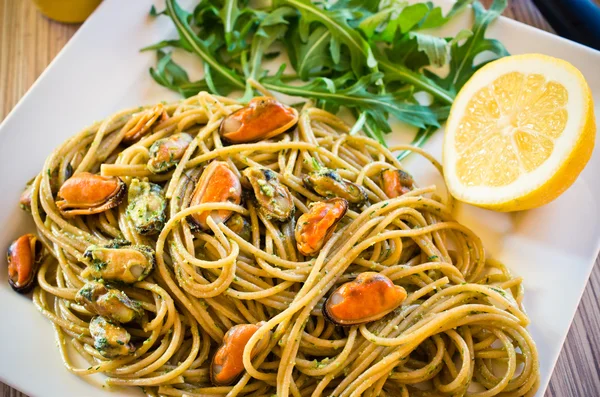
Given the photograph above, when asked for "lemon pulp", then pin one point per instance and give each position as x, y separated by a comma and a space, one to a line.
515, 122
519, 133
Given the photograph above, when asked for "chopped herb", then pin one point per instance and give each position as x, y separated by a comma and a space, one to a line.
499, 290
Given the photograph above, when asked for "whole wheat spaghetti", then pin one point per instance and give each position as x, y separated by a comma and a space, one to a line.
459, 331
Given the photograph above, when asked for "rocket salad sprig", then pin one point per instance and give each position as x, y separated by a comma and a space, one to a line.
370, 56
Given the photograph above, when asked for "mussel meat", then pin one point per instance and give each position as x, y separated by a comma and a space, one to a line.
23, 257
85, 194
217, 184
262, 118
227, 363
26, 196
240, 225
119, 261
328, 183
146, 208
368, 298
273, 198
315, 227
110, 340
108, 302
395, 183
140, 124
54, 177
165, 153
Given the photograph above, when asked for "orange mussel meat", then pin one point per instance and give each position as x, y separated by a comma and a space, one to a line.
316, 226
26, 197
85, 194
368, 298
23, 258
227, 363
262, 118
141, 123
217, 184
395, 183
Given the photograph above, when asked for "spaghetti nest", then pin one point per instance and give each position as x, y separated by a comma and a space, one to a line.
460, 327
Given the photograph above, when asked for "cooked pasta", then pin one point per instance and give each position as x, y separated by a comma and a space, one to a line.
459, 329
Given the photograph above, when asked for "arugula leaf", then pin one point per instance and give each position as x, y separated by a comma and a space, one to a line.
336, 21
462, 64
207, 14
357, 96
389, 23
229, 14
435, 19
169, 74
153, 12
238, 25
372, 130
411, 16
195, 44
260, 44
368, 56
311, 55
360, 9
399, 72
370, 24
419, 140
436, 48
163, 44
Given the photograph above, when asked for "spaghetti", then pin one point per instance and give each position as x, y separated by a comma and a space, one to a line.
460, 330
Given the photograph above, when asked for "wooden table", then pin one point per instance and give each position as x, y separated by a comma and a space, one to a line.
28, 42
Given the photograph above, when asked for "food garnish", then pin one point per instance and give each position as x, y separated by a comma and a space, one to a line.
519, 134
371, 58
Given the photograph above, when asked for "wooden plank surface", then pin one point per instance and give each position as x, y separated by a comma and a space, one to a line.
29, 41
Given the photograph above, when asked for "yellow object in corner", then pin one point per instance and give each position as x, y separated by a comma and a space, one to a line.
68, 11
520, 132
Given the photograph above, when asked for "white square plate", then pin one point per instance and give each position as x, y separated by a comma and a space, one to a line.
101, 71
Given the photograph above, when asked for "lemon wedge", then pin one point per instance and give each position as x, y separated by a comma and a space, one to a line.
519, 133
